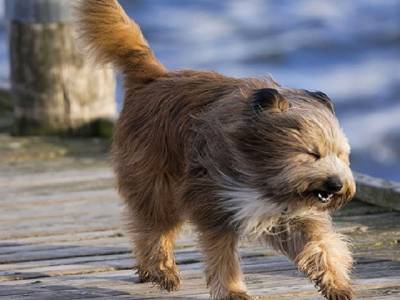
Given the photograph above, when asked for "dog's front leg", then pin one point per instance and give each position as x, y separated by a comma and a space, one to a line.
322, 254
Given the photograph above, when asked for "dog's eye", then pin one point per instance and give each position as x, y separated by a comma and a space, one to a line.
316, 155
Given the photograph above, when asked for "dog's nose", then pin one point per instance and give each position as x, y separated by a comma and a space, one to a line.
333, 184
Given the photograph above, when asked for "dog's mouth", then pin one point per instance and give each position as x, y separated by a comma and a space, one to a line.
323, 196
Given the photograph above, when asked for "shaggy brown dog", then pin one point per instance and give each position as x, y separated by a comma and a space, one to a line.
234, 156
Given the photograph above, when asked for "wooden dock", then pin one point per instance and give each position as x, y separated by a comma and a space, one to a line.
61, 238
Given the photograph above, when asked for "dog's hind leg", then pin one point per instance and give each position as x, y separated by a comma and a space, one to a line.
153, 223
153, 250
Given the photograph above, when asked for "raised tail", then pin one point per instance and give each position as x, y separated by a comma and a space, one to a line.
112, 37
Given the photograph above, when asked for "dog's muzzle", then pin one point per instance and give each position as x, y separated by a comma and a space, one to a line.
332, 186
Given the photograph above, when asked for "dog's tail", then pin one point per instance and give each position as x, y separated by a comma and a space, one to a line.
112, 37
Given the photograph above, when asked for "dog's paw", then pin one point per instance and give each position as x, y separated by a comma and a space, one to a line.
167, 279
342, 293
334, 288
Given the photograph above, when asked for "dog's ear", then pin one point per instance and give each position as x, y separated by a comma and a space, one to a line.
323, 98
268, 99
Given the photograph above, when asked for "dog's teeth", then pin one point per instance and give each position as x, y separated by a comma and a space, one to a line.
325, 199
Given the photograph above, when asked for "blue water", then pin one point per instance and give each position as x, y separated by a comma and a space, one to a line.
348, 49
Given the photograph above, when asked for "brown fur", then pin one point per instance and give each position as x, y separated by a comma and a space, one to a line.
233, 156
98, 20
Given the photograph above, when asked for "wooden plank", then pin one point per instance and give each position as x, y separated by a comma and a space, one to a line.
67, 229
253, 264
269, 283
18, 182
61, 210
277, 283
62, 238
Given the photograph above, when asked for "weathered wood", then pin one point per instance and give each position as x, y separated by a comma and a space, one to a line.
5, 110
61, 238
55, 89
38, 11
378, 191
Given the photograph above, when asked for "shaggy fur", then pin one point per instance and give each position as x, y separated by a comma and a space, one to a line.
234, 156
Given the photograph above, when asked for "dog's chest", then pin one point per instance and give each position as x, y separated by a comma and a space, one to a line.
255, 214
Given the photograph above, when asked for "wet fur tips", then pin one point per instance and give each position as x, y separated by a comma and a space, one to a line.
236, 157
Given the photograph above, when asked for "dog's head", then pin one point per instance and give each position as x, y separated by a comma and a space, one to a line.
294, 149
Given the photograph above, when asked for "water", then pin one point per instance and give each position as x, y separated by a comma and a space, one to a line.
348, 49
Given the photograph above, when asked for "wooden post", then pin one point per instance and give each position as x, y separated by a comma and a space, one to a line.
55, 89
